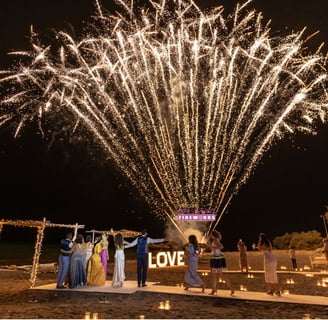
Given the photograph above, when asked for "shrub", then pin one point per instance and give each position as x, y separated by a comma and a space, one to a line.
309, 240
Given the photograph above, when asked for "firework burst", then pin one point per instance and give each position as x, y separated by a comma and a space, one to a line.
184, 101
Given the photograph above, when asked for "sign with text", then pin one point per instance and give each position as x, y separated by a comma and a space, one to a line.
197, 217
166, 259
206, 214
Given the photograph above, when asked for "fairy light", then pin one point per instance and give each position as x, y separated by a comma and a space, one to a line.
40, 226
37, 252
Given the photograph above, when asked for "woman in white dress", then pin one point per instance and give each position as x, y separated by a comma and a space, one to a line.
269, 264
89, 249
118, 273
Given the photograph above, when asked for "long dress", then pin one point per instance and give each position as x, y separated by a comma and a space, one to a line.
118, 273
104, 253
89, 250
95, 270
77, 267
191, 276
270, 267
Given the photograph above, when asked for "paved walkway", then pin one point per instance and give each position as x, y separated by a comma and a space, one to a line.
130, 287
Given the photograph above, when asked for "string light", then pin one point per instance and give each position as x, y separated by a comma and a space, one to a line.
41, 226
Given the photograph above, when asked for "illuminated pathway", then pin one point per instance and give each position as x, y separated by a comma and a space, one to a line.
130, 288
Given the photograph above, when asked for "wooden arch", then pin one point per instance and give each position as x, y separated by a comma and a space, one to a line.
41, 226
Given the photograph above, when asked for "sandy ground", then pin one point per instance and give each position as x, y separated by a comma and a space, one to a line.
20, 302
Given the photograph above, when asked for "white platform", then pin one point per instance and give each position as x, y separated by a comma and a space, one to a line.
130, 287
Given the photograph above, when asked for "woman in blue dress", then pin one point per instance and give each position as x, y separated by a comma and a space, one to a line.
192, 251
78, 275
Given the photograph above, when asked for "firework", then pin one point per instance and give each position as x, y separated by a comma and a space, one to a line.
184, 101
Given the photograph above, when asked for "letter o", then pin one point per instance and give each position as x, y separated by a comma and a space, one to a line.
158, 259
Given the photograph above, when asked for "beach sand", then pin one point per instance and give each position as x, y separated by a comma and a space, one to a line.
20, 302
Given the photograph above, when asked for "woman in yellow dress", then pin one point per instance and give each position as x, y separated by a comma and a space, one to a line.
95, 269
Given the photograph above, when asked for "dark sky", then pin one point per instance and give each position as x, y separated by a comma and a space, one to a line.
70, 183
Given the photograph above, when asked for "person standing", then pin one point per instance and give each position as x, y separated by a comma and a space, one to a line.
243, 261
292, 256
104, 256
78, 276
192, 251
218, 262
64, 259
119, 265
95, 268
270, 264
88, 248
142, 255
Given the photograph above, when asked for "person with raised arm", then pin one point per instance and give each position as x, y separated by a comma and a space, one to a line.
142, 255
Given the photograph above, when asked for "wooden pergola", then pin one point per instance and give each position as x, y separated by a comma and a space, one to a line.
41, 226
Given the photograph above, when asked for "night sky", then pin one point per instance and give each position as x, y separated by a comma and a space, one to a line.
69, 182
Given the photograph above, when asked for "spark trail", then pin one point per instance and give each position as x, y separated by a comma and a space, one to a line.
184, 101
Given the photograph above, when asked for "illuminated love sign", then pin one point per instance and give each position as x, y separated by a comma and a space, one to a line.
166, 259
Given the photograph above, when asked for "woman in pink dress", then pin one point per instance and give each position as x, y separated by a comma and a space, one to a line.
104, 257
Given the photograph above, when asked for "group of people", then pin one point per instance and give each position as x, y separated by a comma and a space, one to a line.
83, 263
218, 263
269, 263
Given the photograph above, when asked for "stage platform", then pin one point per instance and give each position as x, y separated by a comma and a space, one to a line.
130, 287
